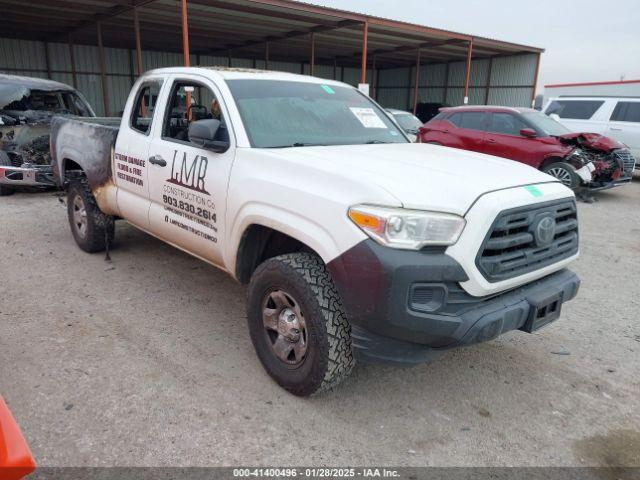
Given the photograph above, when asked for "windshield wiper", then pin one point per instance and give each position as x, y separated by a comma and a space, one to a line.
299, 144
377, 142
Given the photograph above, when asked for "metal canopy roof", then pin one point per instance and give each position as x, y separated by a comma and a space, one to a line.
244, 28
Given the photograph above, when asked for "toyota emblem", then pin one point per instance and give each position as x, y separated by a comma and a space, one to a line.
545, 231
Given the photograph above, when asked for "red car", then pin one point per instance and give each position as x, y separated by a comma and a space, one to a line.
528, 136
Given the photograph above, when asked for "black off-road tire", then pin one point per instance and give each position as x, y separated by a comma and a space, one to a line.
5, 161
565, 173
99, 230
329, 358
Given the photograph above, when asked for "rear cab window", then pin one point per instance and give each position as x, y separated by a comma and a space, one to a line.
626, 112
574, 109
145, 106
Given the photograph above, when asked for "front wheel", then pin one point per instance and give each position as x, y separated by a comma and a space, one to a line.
298, 325
565, 173
92, 230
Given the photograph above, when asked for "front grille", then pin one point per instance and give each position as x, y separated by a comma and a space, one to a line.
515, 244
627, 159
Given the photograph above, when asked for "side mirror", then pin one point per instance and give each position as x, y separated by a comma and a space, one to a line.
528, 133
555, 116
203, 134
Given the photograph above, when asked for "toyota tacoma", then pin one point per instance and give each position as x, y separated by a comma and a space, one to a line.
355, 243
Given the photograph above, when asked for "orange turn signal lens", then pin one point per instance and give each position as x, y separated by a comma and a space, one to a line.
364, 220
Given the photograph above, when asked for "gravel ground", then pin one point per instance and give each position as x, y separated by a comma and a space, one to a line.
147, 361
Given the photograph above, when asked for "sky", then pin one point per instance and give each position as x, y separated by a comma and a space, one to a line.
584, 41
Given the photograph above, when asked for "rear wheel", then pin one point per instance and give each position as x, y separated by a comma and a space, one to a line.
563, 172
92, 230
297, 324
5, 161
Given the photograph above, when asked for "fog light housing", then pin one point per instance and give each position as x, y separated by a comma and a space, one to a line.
427, 297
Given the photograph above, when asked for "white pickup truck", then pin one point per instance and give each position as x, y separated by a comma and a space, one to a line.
355, 242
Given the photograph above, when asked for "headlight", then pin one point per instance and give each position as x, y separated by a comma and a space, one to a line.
407, 229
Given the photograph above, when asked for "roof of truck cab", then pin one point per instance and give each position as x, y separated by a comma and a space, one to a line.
226, 73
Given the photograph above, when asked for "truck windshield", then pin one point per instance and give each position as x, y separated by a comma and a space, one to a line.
63, 102
546, 124
280, 114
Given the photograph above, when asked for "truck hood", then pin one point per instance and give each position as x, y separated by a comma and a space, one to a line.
594, 141
419, 176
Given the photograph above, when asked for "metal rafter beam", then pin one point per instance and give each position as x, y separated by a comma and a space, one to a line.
404, 48
284, 36
112, 12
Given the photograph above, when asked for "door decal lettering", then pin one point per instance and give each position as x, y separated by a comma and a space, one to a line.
130, 169
189, 175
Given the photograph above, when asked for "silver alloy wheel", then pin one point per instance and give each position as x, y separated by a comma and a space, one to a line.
79, 216
284, 327
561, 174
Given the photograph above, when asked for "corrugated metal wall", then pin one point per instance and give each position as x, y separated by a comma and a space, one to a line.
511, 83
511, 77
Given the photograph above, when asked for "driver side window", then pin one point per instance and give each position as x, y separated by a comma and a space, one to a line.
188, 103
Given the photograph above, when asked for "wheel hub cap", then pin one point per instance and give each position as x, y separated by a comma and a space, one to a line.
289, 325
562, 175
284, 327
79, 216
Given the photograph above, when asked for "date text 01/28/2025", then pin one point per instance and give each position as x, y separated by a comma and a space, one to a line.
315, 472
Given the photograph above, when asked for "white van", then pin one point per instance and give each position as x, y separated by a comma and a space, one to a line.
615, 117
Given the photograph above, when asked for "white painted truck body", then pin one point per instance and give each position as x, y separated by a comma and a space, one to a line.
304, 192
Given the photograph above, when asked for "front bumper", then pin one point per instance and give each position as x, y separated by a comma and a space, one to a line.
27, 176
378, 286
599, 186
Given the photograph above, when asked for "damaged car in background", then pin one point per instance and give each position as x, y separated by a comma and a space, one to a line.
584, 161
27, 106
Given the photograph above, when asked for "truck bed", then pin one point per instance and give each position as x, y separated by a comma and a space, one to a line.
87, 143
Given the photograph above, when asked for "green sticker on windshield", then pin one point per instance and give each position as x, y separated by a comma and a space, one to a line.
328, 89
533, 190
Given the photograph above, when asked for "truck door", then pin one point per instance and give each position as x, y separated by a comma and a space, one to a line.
188, 183
130, 169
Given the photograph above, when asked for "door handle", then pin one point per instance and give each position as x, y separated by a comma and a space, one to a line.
491, 140
615, 129
158, 160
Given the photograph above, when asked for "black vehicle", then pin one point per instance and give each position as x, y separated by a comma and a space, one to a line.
426, 111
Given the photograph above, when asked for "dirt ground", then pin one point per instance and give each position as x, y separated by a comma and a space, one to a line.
147, 361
